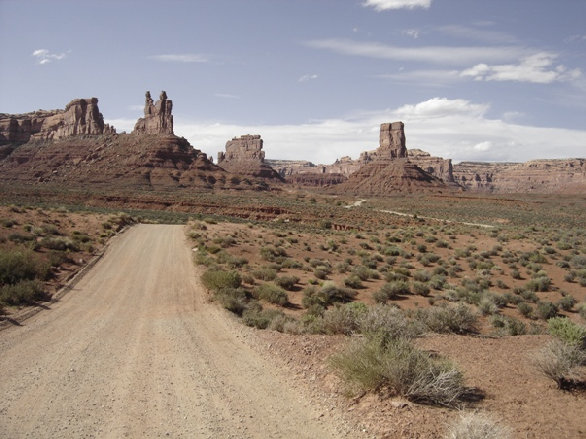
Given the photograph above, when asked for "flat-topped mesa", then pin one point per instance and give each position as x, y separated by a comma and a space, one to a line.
392, 141
157, 116
80, 117
242, 149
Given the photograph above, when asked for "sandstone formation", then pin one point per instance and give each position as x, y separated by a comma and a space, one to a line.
244, 156
149, 158
157, 116
537, 176
392, 141
80, 117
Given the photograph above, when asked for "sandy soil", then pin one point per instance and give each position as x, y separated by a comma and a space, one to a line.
135, 350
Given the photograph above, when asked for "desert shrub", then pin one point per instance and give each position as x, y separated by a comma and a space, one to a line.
487, 305
392, 276
21, 264
458, 319
582, 310
320, 273
292, 263
215, 280
477, 426
437, 281
287, 282
560, 362
59, 243
265, 273
25, 292
343, 319
567, 303
286, 324
385, 321
541, 283
528, 295
525, 309
568, 331
353, 281
272, 294
396, 366
271, 254
362, 272
578, 261
259, 318
233, 299
422, 275
546, 310
421, 288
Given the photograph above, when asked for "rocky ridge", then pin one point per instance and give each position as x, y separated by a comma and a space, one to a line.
536, 176
80, 117
73, 147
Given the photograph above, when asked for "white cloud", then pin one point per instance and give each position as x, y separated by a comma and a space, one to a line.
453, 55
306, 78
45, 57
383, 5
451, 128
537, 68
180, 57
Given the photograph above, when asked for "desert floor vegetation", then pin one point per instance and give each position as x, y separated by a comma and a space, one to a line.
392, 283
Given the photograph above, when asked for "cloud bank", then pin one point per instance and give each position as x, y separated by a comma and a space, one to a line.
180, 58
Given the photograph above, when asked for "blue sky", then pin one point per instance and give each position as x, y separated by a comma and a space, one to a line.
498, 80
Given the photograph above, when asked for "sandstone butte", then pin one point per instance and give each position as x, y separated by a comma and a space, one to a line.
75, 147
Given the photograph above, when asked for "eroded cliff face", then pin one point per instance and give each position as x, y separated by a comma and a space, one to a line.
157, 116
80, 117
537, 176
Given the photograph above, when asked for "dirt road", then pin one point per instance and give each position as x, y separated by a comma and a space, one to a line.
136, 351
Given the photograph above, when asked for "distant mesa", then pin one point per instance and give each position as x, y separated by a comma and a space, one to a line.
157, 116
80, 117
244, 156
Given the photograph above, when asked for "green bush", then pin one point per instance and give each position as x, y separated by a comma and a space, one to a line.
287, 282
233, 299
217, 279
272, 254
265, 273
353, 281
421, 288
568, 331
399, 368
541, 283
272, 294
546, 310
25, 292
21, 264
525, 309
259, 318
567, 303
326, 295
